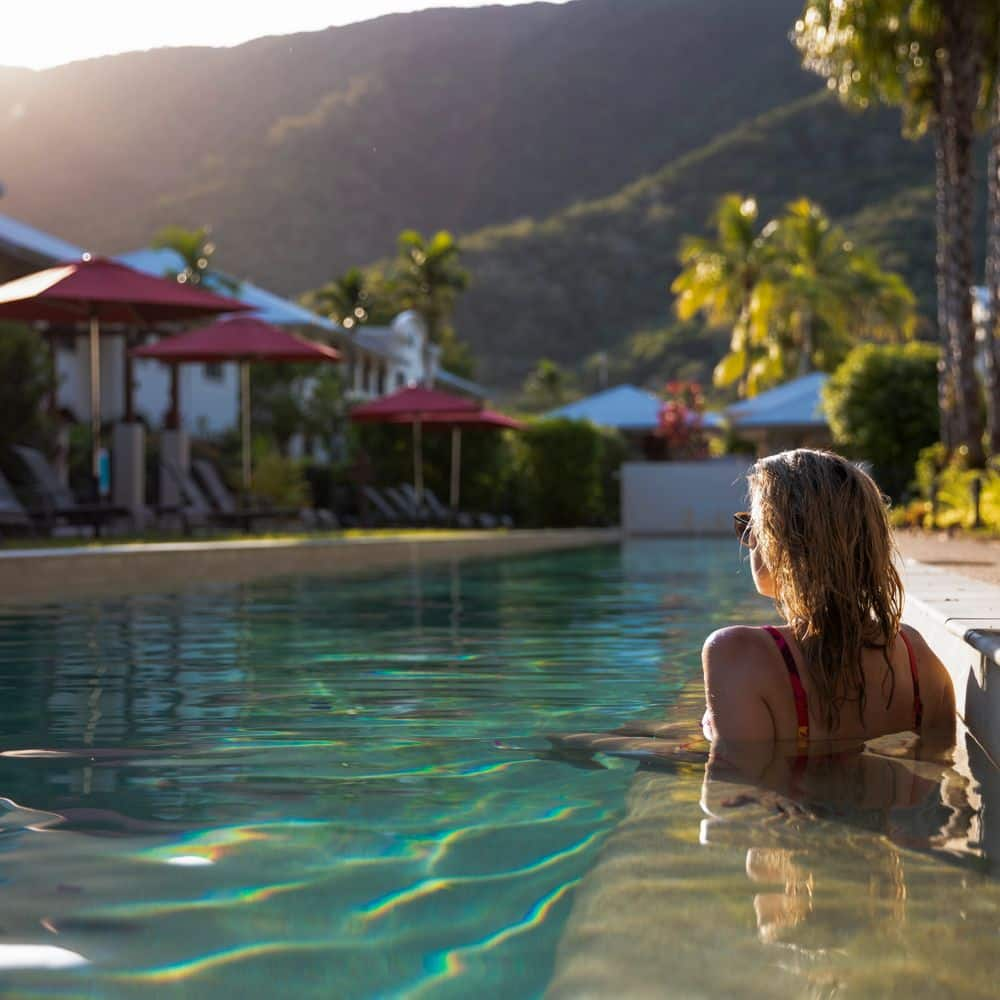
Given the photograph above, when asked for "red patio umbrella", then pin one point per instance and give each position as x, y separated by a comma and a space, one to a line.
243, 339
95, 290
414, 405
459, 421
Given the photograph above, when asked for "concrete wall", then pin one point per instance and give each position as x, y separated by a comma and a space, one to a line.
960, 619
32, 575
682, 498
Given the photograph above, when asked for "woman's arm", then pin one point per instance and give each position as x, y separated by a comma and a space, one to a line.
937, 731
735, 681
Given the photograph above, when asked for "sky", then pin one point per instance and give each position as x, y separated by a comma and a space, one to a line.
41, 33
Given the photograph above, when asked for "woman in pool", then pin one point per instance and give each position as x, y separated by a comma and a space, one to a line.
841, 667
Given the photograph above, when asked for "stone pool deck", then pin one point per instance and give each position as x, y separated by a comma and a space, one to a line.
35, 575
953, 598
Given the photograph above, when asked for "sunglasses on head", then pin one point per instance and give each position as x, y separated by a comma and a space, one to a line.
743, 529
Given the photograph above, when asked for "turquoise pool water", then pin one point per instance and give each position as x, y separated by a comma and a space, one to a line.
331, 788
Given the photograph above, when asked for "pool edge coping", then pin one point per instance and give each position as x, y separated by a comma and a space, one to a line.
959, 617
37, 576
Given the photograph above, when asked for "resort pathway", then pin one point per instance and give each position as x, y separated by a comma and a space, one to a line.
966, 555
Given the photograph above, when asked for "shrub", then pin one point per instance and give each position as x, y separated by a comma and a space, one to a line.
560, 473
279, 480
487, 462
953, 484
882, 406
25, 365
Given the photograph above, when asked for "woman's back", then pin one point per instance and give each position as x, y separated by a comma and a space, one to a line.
820, 546
752, 686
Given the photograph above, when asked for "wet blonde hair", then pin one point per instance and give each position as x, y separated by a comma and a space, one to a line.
822, 529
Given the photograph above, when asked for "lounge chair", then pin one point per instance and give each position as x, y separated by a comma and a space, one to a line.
460, 518
195, 510
385, 513
225, 503
13, 517
433, 510
54, 503
407, 505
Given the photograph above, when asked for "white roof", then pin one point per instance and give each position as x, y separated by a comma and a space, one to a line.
19, 236
626, 407
623, 406
271, 308
267, 306
796, 403
465, 385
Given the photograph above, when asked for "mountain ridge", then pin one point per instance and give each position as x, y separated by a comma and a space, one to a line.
308, 153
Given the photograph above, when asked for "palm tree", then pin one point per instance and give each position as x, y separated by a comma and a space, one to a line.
720, 279
797, 293
193, 246
547, 387
346, 300
992, 347
195, 249
927, 56
428, 280
825, 292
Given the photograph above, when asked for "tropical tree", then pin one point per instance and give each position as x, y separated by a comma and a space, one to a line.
825, 293
887, 428
428, 279
930, 57
797, 293
27, 380
195, 248
992, 346
346, 300
720, 278
547, 387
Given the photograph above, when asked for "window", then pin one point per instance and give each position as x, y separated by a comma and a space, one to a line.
214, 371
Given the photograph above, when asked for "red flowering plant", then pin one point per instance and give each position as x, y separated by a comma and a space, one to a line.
681, 429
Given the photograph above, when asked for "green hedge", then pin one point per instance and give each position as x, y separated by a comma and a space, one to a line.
561, 474
882, 406
554, 473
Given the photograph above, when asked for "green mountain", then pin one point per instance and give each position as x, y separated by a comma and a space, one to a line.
569, 146
585, 279
308, 153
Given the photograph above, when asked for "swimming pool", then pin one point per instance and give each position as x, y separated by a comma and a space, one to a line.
340, 788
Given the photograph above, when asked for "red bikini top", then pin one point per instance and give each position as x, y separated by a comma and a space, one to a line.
801, 705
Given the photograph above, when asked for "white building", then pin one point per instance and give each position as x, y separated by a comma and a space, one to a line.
377, 360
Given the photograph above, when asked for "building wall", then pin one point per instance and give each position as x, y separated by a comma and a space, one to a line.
209, 405
674, 498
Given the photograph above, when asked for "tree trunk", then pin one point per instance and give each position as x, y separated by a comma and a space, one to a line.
807, 346
992, 346
743, 385
946, 368
961, 79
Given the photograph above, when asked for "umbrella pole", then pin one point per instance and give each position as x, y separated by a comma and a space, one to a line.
418, 461
456, 465
245, 422
95, 400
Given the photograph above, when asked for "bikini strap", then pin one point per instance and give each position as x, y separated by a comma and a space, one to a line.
801, 705
918, 705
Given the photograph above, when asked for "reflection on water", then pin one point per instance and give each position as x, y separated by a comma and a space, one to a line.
855, 874
343, 789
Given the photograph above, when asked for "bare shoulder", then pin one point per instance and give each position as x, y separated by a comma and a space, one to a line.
745, 643
742, 646
738, 681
